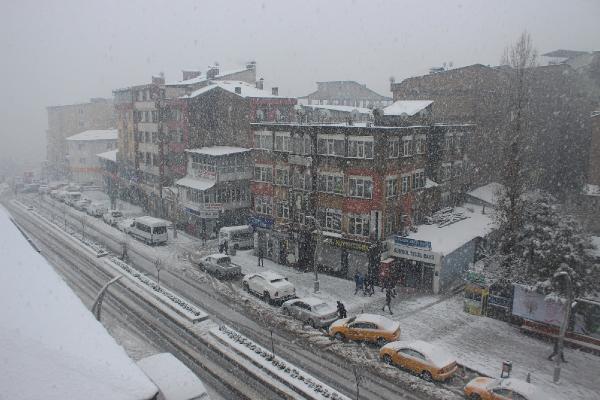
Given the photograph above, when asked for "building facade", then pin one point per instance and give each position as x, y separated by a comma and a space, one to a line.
83, 164
68, 120
345, 93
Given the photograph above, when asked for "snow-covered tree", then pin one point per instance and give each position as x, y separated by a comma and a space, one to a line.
549, 241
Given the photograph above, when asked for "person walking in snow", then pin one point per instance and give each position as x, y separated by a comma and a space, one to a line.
261, 262
388, 300
555, 352
204, 238
341, 310
225, 247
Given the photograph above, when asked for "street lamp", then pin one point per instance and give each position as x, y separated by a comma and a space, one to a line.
565, 322
317, 248
97, 306
175, 209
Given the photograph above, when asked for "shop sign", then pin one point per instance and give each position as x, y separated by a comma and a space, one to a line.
412, 253
347, 244
404, 241
260, 222
209, 214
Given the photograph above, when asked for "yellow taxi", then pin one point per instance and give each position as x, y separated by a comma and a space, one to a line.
366, 327
428, 361
502, 389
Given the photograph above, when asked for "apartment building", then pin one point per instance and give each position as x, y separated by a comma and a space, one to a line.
83, 164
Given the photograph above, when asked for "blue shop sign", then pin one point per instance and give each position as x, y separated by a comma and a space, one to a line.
260, 222
404, 241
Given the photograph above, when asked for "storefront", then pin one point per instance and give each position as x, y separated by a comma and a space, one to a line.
199, 221
416, 265
344, 257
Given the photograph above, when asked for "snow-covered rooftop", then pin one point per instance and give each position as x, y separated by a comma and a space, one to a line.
218, 150
246, 89
51, 347
104, 134
175, 380
110, 155
406, 107
591, 190
203, 78
488, 193
196, 183
446, 239
348, 109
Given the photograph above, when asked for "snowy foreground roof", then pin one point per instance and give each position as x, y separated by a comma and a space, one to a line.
110, 155
450, 237
406, 107
51, 347
104, 134
218, 150
488, 193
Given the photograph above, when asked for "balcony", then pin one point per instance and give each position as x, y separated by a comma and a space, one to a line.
222, 173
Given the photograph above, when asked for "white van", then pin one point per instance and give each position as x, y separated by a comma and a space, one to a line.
149, 230
237, 237
72, 197
96, 209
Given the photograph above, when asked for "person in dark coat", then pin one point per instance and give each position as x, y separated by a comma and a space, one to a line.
226, 247
261, 262
221, 247
341, 310
204, 238
369, 285
555, 352
388, 300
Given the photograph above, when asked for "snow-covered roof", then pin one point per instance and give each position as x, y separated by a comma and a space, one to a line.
406, 107
379, 320
218, 150
591, 190
151, 221
196, 183
312, 301
522, 387
96, 134
270, 275
51, 346
488, 193
203, 78
173, 378
110, 155
446, 239
348, 109
430, 184
246, 90
437, 355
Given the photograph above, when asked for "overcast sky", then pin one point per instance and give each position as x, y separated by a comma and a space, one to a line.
63, 52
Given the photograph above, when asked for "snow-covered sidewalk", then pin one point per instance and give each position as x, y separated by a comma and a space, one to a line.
480, 343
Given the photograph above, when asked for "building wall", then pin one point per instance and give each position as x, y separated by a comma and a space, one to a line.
455, 264
84, 164
593, 172
68, 120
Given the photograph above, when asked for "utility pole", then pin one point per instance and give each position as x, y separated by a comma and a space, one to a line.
317, 249
175, 197
565, 322
158, 266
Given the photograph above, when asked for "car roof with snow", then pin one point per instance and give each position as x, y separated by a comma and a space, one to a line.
311, 301
217, 256
151, 221
434, 353
524, 388
379, 320
270, 275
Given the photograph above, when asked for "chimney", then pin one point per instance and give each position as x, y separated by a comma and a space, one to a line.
238, 90
158, 80
212, 72
260, 84
251, 65
190, 74
275, 91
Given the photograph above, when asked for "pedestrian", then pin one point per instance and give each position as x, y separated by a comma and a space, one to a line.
226, 247
341, 310
221, 247
261, 262
556, 351
388, 300
369, 285
204, 238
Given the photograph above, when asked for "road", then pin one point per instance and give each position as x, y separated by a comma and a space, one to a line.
326, 366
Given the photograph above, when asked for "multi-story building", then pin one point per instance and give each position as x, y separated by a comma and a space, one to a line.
83, 164
362, 184
322, 113
345, 93
216, 190
68, 120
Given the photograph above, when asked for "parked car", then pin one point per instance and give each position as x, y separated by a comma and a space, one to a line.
218, 264
43, 189
96, 209
483, 388
112, 217
269, 285
428, 361
82, 204
125, 224
311, 310
366, 327
149, 230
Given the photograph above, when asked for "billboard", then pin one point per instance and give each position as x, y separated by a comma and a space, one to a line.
536, 307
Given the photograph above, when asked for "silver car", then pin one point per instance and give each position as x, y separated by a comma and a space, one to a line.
311, 310
219, 265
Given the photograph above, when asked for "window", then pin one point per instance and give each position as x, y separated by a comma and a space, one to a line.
148, 158
407, 146
263, 173
302, 181
263, 140
420, 144
330, 183
360, 187
360, 147
109, 146
391, 186
358, 224
146, 137
282, 176
82, 161
155, 137
394, 148
419, 179
331, 145
457, 141
331, 219
457, 168
283, 210
389, 224
405, 184
282, 141
446, 171
154, 116
301, 145
263, 205
449, 141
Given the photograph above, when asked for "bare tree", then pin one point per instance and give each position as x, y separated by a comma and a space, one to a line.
519, 60
158, 266
83, 221
124, 247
